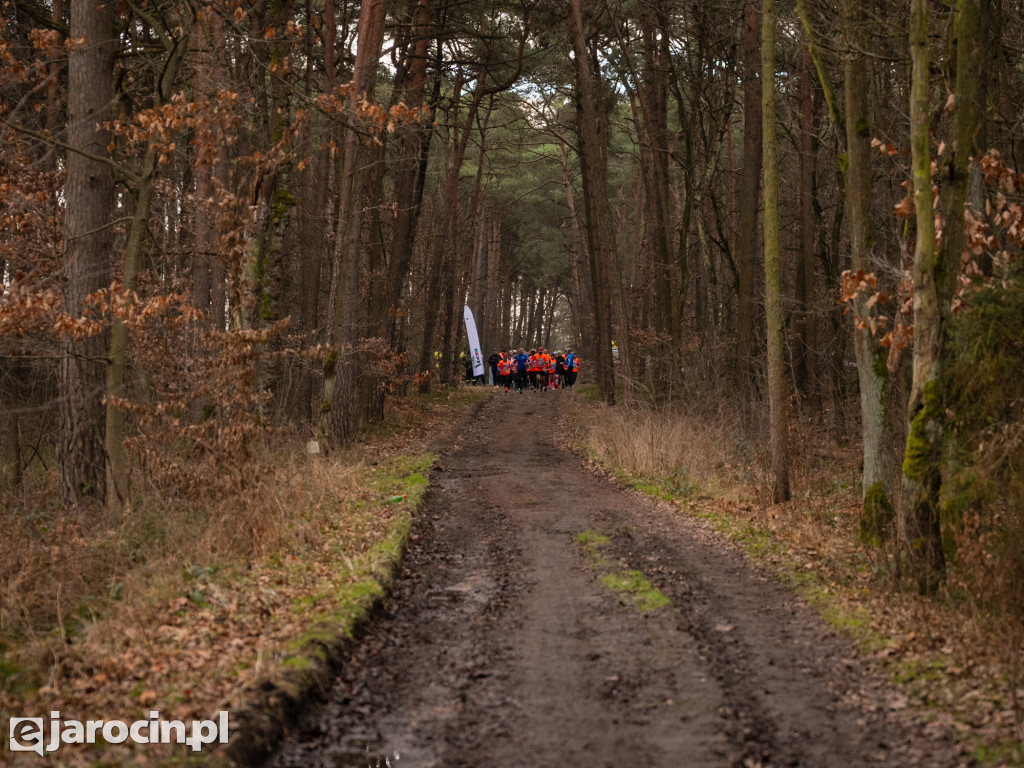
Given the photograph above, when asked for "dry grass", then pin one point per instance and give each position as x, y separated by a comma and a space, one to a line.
180, 604
700, 446
61, 569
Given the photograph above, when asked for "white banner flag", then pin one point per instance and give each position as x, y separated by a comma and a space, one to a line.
474, 343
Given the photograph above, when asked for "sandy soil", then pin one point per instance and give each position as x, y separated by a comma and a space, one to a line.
500, 646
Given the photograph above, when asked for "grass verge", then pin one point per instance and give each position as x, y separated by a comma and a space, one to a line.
948, 667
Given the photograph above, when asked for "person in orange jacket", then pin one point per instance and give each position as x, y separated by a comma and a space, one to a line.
543, 368
505, 371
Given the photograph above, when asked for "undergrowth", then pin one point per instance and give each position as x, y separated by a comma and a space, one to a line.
184, 607
936, 649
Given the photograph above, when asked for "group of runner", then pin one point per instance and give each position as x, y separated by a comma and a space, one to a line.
515, 370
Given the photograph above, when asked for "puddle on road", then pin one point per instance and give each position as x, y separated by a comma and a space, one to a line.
356, 752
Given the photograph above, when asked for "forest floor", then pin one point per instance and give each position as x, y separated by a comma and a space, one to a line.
544, 615
210, 613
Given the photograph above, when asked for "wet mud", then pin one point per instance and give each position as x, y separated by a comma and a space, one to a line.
501, 648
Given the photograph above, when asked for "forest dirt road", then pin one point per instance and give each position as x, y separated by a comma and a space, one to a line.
500, 646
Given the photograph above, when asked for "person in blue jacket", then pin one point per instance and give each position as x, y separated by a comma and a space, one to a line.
520, 361
572, 365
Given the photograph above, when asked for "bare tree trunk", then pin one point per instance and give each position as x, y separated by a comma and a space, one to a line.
710, 266
919, 515
806, 358
433, 295
772, 263
52, 98
495, 339
313, 189
746, 246
534, 304
479, 281
593, 136
653, 133
935, 280
689, 191
580, 265
446, 255
522, 304
89, 195
504, 299
345, 284
879, 461
410, 169
550, 320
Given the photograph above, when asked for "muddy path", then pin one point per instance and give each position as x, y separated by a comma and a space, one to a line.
500, 646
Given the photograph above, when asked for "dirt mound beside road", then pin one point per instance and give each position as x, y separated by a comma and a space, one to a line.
528, 628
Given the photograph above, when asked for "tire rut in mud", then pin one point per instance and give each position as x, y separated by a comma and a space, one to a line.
500, 647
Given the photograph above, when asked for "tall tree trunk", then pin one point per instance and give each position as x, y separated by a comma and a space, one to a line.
313, 188
89, 195
879, 473
689, 182
777, 396
221, 180
580, 266
746, 246
919, 518
444, 263
410, 170
479, 281
346, 301
935, 279
549, 321
433, 295
653, 133
521, 311
806, 358
495, 339
710, 266
592, 121
52, 98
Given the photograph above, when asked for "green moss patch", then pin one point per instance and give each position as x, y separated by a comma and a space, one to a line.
632, 585
593, 542
636, 589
